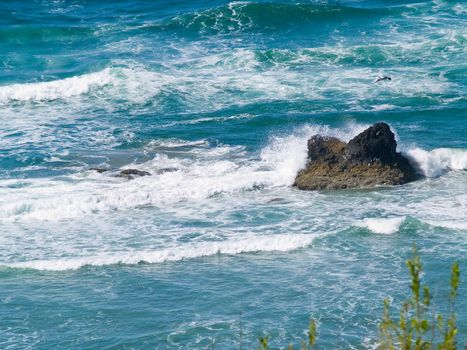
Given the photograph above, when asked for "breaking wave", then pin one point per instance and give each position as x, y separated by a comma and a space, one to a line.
198, 170
57, 89
238, 78
201, 171
384, 226
436, 162
204, 249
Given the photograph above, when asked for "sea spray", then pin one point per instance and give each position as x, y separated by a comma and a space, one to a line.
436, 162
205, 172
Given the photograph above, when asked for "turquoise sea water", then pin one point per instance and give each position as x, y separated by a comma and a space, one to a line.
223, 249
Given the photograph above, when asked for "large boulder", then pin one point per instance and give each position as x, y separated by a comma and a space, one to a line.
376, 142
369, 159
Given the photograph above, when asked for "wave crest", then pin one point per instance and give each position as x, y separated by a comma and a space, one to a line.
434, 163
232, 247
52, 90
384, 226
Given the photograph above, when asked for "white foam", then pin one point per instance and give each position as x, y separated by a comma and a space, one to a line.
175, 143
287, 154
434, 163
209, 81
131, 82
384, 226
52, 90
202, 172
190, 251
452, 224
383, 107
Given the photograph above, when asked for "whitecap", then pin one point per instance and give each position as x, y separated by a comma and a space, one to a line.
52, 90
202, 171
434, 163
271, 243
385, 226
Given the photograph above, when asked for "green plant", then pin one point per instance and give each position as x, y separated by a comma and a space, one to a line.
312, 334
264, 341
415, 331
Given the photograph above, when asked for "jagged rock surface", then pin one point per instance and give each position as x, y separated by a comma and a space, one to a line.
369, 159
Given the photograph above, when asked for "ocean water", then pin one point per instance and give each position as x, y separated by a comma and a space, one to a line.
222, 249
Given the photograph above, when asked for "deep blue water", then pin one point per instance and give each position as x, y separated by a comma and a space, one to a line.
223, 249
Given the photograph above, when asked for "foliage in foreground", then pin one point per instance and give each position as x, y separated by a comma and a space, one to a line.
308, 344
418, 327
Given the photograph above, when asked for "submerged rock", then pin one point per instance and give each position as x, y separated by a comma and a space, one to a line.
166, 170
385, 78
369, 159
132, 173
99, 170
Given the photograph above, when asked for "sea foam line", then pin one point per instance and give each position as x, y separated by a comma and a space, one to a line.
278, 243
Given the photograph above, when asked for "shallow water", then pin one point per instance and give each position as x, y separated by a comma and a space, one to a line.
222, 249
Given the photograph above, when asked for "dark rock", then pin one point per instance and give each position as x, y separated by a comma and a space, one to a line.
369, 159
376, 142
166, 170
132, 173
328, 148
99, 170
276, 200
383, 79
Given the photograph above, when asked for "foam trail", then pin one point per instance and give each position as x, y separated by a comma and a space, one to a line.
382, 226
434, 163
231, 247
